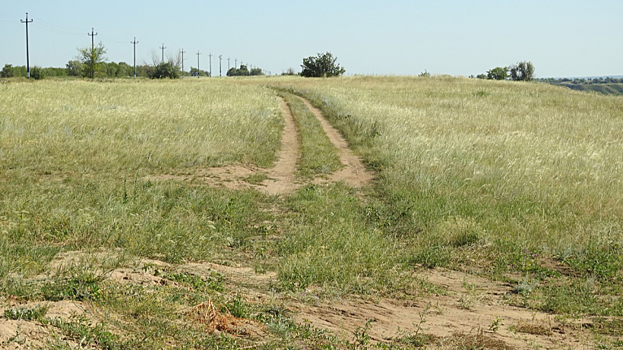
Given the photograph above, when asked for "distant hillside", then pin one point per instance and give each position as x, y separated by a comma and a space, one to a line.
606, 86
606, 89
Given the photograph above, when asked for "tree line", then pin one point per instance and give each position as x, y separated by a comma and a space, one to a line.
521, 71
75, 68
92, 63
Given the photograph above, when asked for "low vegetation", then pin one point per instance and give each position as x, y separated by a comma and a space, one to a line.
511, 182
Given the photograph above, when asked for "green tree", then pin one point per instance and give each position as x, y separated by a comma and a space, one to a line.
165, 70
522, 71
92, 59
74, 68
323, 65
238, 72
497, 73
194, 72
7, 71
125, 70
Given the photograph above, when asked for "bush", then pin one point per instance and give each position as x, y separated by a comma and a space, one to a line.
497, 73
323, 65
165, 70
36, 73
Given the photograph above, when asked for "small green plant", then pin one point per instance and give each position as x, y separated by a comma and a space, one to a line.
362, 336
417, 338
81, 287
82, 330
214, 281
238, 307
35, 313
256, 179
495, 325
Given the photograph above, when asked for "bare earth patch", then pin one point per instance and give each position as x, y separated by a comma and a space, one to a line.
21, 334
473, 308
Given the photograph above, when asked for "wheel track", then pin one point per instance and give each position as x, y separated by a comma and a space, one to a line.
281, 179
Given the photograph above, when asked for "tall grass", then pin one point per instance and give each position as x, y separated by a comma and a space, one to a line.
532, 165
124, 126
74, 155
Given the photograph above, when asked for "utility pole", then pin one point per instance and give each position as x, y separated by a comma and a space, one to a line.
228, 64
162, 48
27, 50
236, 63
182, 52
92, 35
198, 70
210, 55
134, 43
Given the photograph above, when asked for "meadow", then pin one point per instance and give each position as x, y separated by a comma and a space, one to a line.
516, 183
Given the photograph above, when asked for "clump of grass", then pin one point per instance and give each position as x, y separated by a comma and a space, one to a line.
35, 313
256, 179
212, 282
537, 327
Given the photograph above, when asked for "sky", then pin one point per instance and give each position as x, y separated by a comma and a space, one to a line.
562, 38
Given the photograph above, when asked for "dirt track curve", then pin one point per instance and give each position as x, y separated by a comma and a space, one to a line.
282, 179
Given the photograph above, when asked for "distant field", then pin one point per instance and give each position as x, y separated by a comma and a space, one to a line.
107, 200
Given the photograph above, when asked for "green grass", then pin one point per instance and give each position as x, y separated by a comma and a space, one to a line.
515, 182
330, 245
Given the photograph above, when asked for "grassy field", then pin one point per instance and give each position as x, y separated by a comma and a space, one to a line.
512, 182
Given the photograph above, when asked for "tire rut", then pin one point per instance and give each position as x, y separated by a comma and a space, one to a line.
281, 179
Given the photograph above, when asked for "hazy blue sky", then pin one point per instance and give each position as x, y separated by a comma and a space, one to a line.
402, 37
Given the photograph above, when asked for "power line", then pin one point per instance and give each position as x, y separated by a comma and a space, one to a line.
134, 43
27, 49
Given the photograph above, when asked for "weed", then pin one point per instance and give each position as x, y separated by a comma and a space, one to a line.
537, 327
256, 179
214, 281
495, 324
81, 287
36, 313
83, 331
362, 336
238, 307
